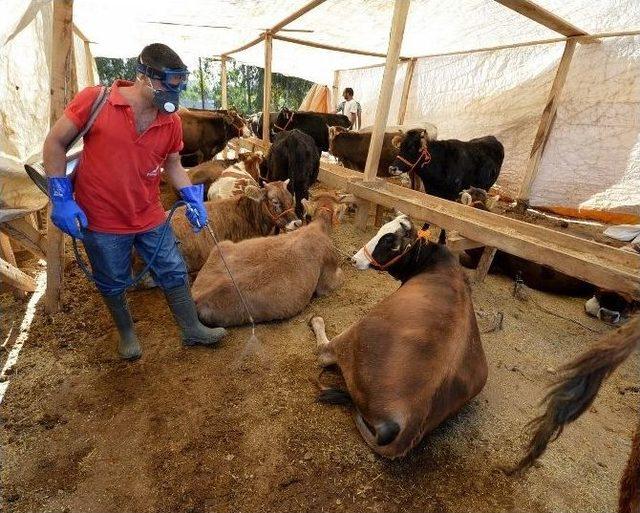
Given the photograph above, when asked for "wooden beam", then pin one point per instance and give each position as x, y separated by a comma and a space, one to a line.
406, 87
6, 252
540, 15
15, 277
23, 232
485, 263
295, 15
266, 92
223, 83
334, 89
599, 264
333, 48
251, 43
546, 122
88, 57
398, 22
63, 88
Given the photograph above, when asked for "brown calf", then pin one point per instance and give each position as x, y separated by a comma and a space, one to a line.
257, 213
278, 275
572, 394
351, 149
416, 357
233, 180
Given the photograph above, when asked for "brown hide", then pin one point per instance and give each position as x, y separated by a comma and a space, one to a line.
416, 358
278, 275
352, 148
205, 173
208, 133
232, 219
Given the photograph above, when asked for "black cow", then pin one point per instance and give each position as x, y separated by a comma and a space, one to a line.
255, 123
449, 166
315, 124
293, 155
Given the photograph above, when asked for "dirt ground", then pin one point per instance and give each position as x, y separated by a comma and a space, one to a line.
194, 430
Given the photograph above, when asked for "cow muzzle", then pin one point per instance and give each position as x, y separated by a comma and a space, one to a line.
394, 171
293, 225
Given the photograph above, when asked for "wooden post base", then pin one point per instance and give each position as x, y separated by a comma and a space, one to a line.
362, 215
484, 264
379, 215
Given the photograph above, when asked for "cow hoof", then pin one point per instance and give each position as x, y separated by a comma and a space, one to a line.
315, 320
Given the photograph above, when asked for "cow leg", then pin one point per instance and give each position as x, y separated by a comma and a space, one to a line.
325, 354
301, 191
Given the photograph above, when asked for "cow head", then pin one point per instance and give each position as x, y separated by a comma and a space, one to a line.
252, 161
410, 146
236, 124
478, 198
390, 241
328, 206
277, 204
334, 131
284, 118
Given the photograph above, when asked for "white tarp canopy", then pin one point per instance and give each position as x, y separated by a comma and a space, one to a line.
592, 158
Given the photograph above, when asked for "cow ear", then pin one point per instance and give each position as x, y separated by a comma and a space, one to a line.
253, 192
397, 141
423, 138
332, 132
286, 182
491, 202
262, 181
349, 199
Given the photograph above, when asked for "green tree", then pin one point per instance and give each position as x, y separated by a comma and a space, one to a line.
110, 69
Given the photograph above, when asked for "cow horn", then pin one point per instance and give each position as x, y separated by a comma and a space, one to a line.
465, 198
347, 198
491, 202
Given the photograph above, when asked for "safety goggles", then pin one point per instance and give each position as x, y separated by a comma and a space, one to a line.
174, 79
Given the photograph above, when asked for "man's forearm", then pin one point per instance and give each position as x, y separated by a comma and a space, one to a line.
55, 158
177, 176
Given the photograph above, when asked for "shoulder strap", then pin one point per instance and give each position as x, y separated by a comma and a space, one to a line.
96, 107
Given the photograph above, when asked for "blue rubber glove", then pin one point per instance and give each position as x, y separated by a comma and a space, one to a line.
196, 213
65, 212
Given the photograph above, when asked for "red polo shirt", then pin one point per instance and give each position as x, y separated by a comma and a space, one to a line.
118, 176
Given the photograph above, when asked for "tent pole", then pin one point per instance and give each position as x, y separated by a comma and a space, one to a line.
223, 83
266, 92
63, 88
400, 11
334, 89
408, 77
544, 128
201, 82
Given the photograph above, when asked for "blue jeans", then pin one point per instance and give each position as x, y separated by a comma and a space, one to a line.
110, 258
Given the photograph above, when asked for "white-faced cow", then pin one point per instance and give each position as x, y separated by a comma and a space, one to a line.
233, 180
572, 393
278, 275
447, 167
416, 358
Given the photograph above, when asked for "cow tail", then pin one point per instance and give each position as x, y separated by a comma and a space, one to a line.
442, 239
629, 497
335, 396
576, 387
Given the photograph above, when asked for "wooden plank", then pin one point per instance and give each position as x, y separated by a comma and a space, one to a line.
601, 265
546, 122
295, 15
251, 43
6, 252
266, 92
22, 231
223, 83
333, 48
540, 15
406, 87
484, 264
63, 87
398, 22
456, 243
15, 277
91, 79
334, 89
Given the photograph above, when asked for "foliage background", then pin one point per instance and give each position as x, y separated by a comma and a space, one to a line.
244, 84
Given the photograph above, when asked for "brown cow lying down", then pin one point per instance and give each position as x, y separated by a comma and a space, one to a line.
416, 357
236, 177
207, 133
258, 212
352, 148
278, 275
572, 394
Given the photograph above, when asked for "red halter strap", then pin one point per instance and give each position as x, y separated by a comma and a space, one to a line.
424, 155
422, 236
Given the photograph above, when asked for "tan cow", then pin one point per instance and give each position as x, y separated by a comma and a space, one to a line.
416, 357
236, 177
256, 213
278, 275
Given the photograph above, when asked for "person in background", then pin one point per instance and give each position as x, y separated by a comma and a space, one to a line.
350, 108
113, 204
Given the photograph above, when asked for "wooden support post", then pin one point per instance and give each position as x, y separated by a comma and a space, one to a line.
400, 11
266, 92
91, 78
15, 277
201, 82
334, 89
408, 77
224, 101
546, 122
484, 264
379, 215
63, 88
6, 252
22, 231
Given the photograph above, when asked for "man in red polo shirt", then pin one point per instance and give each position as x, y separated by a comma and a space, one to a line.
116, 205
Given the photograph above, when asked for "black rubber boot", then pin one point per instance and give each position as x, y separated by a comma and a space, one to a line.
184, 310
128, 347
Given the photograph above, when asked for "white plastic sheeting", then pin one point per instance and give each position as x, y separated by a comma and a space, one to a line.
592, 159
